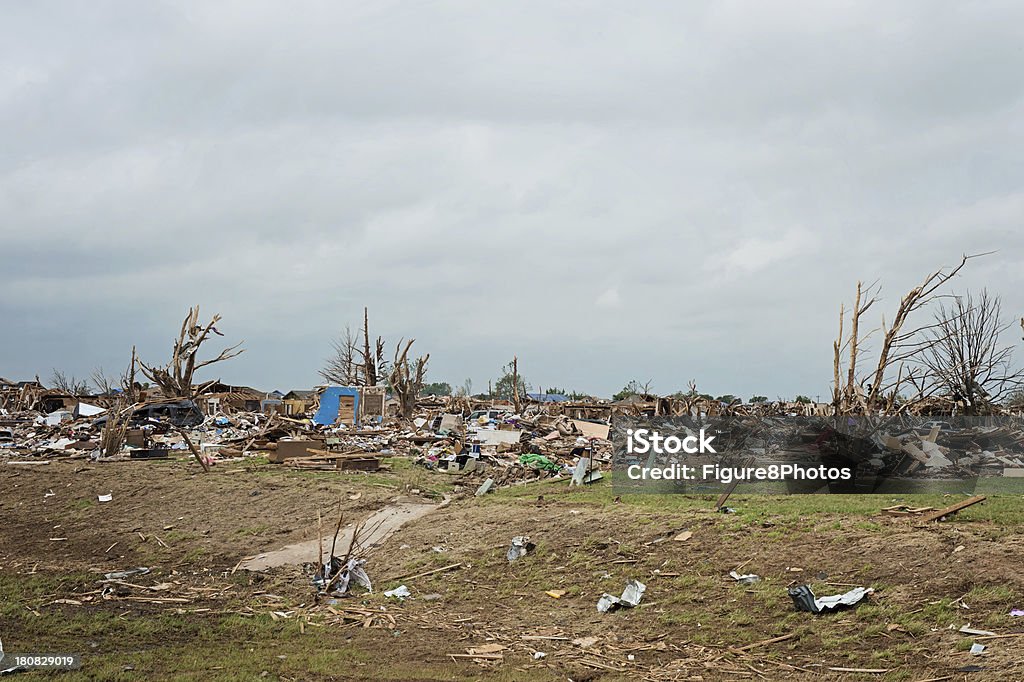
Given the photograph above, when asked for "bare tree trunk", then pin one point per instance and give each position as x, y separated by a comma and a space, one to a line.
175, 378
128, 381
516, 401
900, 345
836, 349
407, 378
966, 358
369, 366
851, 373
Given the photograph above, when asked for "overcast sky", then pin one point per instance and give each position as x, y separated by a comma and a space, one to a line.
660, 190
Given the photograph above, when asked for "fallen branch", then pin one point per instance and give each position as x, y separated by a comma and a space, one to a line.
420, 575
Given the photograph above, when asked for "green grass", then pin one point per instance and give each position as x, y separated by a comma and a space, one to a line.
699, 605
115, 645
1006, 510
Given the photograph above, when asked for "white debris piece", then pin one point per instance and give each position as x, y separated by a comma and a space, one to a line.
400, 592
631, 597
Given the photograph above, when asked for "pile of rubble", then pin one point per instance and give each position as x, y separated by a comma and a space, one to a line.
491, 442
504, 447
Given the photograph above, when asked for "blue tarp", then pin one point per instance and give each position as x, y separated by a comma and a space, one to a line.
329, 400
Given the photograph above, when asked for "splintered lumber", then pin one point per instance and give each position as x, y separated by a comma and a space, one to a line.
730, 488
893, 443
420, 575
952, 509
915, 452
335, 463
781, 638
906, 510
327, 454
726, 493
195, 453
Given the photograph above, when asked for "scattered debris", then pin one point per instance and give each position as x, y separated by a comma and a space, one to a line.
400, 593
630, 597
121, 575
584, 642
335, 576
906, 510
485, 487
968, 630
484, 652
804, 599
518, 549
748, 579
977, 649
952, 509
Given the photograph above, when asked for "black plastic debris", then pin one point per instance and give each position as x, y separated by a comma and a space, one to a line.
804, 599
121, 575
149, 453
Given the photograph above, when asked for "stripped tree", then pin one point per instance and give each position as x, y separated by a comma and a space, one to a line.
407, 377
967, 359
69, 383
902, 344
175, 378
129, 387
341, 368
355, 364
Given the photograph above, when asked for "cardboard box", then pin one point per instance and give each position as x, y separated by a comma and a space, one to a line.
292, 449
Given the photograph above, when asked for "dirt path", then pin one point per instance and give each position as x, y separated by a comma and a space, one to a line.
381, 524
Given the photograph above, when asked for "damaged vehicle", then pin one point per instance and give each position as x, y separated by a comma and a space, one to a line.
178, 413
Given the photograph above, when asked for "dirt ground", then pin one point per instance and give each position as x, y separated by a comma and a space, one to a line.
195, 616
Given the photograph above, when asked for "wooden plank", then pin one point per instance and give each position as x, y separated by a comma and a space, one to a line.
420, 575
327, 454
591, 430
893, 443
952, 509
915, 452
781, 638
195, 453
720, 502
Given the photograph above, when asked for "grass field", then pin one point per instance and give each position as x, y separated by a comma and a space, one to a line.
192, 530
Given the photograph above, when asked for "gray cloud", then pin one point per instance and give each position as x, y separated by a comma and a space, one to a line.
672, 191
